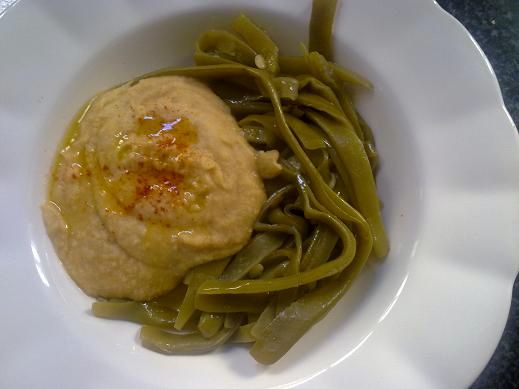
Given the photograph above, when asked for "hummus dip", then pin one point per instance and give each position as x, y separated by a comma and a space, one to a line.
154, 179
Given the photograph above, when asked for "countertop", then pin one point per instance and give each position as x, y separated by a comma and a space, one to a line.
495, 26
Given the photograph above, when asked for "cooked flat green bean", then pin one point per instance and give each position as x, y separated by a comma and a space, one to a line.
277, 216
220, 46
333, 203
310, 137
230, 304
312, 85
322, 243
293, 66
347, 190
349, 110
266, 317
194, 279
187, 309
232, 318
242, 108
256, 135
321, 160
256, 271
296, 254
276, 257
275, 199
168, 343
243, 334
323, 271
289, 325
321, 27
287, 87
173, 299
369, 143
351, 151
318, 103
276, 271
285, 298
142, 313
258, 248
258, 39
211, 269
210, 323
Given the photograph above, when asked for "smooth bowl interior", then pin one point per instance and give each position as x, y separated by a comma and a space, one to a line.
169, 40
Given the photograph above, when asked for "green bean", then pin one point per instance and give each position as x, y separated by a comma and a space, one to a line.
256, 271
173, 299
257, 135
277, 216
369, 144
260, 129
366, 129
252, 317
312, 85
242, 108
230, 304
325, 270
343, 174
264, 319
296, 254
169, 343
210, 323
333, 75
321, 26
285, 298
351, 114
293, 66
265, 121
321, 69
321, 246
187, 309
318, 103
282, 332
202, 58
287, 87
277, 256
289, 325
243, 334
326, 195
194, 279
275, 199
259, 247
231, 319
142, 313
220, 46
310, 137
212, 269
259, 41
321, 160
276, 271
351, 151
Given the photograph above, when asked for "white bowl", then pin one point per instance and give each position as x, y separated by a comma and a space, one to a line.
429, 316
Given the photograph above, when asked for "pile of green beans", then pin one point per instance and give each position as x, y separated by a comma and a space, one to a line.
321, 221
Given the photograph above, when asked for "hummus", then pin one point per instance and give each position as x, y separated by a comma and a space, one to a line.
155, 179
